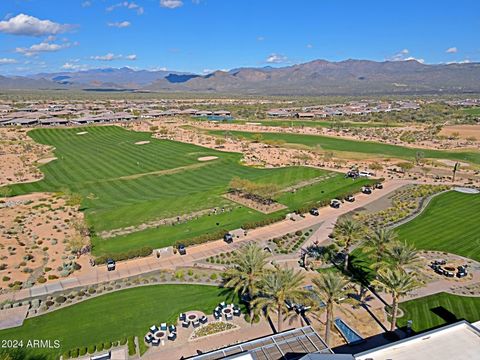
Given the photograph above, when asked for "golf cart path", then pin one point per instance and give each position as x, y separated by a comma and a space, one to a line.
98, 274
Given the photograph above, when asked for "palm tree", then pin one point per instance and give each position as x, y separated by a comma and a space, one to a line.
277, 286
348, 230
330, 288
402, 256
398, 283
377, 244
246, 271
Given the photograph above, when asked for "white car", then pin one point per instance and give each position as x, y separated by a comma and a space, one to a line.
365, 174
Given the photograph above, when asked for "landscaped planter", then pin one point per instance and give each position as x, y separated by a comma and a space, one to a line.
213, 328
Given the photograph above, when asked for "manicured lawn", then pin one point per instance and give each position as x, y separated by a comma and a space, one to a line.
114, 316
450, 223
124, 184
475, 111
318, 123
439, 309
352, 146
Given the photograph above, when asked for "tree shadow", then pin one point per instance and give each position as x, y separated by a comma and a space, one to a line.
445, 314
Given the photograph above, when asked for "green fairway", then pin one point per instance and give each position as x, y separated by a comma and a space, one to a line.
124, 184
439, 309
449, 223
114, 316
353, 146
475, 111
317, 123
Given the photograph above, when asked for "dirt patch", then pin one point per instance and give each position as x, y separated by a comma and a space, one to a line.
46, 160
263, 208
34, 239
462, 131
82, 133
452, 163
142, 142
207, 158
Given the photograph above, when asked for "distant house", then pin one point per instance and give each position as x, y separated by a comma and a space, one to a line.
305, 115
204, 113
278, 113
221, 113
53, 121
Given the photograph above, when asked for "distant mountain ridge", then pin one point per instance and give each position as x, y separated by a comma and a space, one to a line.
318, 77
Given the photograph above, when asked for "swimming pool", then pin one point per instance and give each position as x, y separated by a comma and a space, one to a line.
347, 332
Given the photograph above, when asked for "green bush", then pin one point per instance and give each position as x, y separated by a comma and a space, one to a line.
66, 354
82, 351
60, 299
107, 345
100, 347
131, 346
134, 253
74, 353
41, 280
123, 341
91, 349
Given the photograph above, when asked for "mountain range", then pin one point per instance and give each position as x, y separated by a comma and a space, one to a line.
318, 77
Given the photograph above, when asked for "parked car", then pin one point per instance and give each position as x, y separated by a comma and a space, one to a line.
335, 203
350, 198
228, 238
314, 212
365, 174
182, 250
110, 264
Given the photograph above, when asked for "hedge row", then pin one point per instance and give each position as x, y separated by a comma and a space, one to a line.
131, 254
132, 348
107, 345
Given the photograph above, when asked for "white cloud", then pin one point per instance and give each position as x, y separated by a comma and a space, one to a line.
86, 4
129, 5
276, 59
465, 61
171, 4
73, 66
111, 57
402, 56
31, 26
260, 38
421, 61
452, 50
44, 46
120, 24
6, 61
309, 46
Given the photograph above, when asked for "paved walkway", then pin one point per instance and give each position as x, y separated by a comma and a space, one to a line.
13, 317
324, 222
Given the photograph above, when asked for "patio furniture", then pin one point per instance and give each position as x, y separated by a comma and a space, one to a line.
185, 324
236, 312
148, 338
223, 304
228, 317
172, 328
218, 309
172, 336
153, 329
196, 324
217, 315
182, 316
156, 342
163, 326
203, 319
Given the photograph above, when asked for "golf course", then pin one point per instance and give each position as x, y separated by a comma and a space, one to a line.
346, 146
449, 223
126, 178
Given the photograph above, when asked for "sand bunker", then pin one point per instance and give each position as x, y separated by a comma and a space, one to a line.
207, 158
142, 142
82, 133
46, 160
452, 162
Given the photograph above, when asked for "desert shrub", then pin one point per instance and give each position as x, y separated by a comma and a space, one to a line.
134, 253
60, 299
41, 280
52, 277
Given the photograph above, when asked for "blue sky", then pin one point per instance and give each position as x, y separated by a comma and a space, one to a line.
204, 35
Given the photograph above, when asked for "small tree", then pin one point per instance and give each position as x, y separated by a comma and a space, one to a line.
349, 231
257, 138
405, 166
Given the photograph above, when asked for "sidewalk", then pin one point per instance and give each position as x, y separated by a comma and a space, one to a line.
326, 221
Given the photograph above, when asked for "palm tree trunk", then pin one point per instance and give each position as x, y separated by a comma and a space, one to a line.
280, 319
345, 265
329, 322
394, 313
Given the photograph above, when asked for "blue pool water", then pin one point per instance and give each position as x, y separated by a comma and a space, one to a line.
349, 334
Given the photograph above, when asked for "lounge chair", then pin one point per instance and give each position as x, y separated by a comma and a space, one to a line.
203, 319
163, 326
236, 312
185, 324
172, 336
156, 342
172, 328
153, 329
148, 338
217, 315
223, 304
196, 324
218, 309
182, 317
228, 317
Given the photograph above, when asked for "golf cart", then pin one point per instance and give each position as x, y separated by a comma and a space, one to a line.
110, 264
366, 190
335, 203
228, 238
350, 198
182, 250
314, 211
378, 185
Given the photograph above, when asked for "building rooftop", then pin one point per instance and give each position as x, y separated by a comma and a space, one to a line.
288, 345
459, 341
